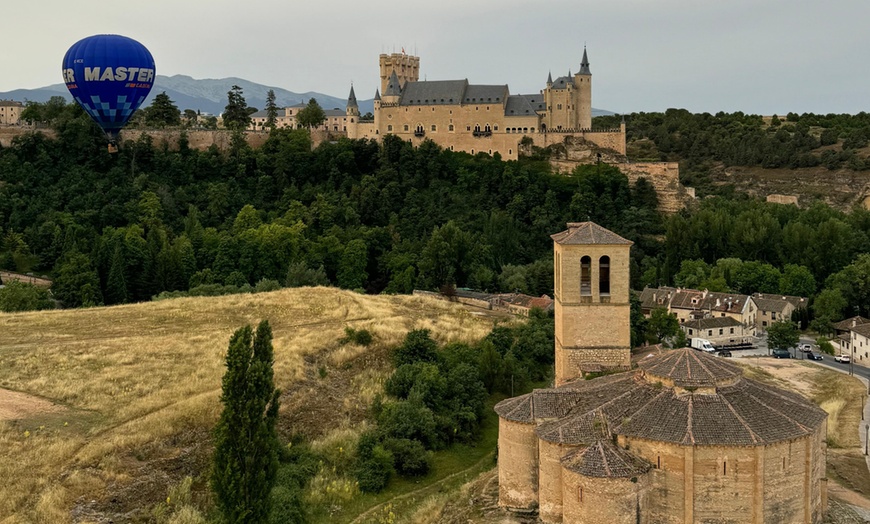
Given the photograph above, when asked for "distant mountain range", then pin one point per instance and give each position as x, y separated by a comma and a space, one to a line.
210, 95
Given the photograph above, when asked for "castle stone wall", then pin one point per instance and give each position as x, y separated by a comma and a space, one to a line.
518, 465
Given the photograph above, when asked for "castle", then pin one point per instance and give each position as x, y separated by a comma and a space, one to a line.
460, 116
683, 438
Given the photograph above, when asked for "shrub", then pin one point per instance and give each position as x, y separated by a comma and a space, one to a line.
373, 472
265, 285
409, 419
825, 345
417, 347
287, 506
299, 275
410, 458
362, 337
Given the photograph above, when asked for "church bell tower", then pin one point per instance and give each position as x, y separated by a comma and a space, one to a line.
592, 306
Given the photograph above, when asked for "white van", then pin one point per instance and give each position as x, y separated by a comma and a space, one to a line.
703, 345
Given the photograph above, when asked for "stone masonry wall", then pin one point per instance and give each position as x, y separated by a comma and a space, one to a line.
604, 500
517, 465
550, 480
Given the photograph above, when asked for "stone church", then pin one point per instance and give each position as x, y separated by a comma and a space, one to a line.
683, 437
474, 118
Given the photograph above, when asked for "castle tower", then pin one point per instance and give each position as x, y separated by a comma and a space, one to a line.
406, 68
592, 306
352, 109
583, 94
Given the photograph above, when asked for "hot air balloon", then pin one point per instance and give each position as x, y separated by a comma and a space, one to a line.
109, 76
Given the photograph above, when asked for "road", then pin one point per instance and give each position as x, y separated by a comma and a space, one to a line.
828, 361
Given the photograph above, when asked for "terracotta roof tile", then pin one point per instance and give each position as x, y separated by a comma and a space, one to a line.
588, 233
603, 459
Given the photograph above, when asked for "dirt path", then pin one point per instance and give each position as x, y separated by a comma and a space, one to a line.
16, 406
361, 518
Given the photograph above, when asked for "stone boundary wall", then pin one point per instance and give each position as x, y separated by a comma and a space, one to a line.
611, 139
9, 276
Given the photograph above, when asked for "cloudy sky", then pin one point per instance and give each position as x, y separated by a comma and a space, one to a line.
759, 56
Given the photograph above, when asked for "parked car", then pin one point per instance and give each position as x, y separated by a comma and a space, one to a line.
812, 355
806, 348
724, 353
781, 353
843, 358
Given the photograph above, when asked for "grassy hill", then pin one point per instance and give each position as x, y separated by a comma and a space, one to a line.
120, 401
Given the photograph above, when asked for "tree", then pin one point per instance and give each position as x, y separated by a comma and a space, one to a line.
236, 111
190, 117
827, 309
782, 335
797, 281
19, 296
352, 267
662, 325
271, 109
162, 112
246, 445
311, 116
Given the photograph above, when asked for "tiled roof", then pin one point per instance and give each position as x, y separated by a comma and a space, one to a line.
862, 329
519, 105
690, 368
651, 297
740, 413
588, 233
849, 323
433, 92
11, 103
603, 459
584, 64
562, 82
485, 94
777, 303
712, 323
393, 86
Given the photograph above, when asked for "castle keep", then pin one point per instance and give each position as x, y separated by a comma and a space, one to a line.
683, 438
461, 116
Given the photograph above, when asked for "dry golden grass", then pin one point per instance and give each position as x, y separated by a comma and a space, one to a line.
132, 375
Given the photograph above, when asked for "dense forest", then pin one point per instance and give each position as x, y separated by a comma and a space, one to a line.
152, 219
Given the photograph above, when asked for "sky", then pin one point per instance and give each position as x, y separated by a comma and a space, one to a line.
756, 56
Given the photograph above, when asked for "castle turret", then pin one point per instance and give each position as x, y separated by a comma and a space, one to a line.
352, 106
592, 306
393, 90
549, 79
406, 68
583, 94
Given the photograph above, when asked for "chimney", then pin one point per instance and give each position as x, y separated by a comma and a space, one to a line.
718, 302
854, 321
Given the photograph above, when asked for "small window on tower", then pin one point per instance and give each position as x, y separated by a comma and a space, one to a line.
604, 275
586, 276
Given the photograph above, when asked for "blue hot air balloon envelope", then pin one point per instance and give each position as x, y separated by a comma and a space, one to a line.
109, 76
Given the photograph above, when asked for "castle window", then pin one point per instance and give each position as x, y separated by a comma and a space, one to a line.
390, 127
450, 127
351, 120
724, 468
559, 106
525, 130
468, 128
405, 127
433, 127
580, 494
510, 151
659, 462
586, 276
604, 275
720, 331
495, 128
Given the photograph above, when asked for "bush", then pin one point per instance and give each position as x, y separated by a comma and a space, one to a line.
265, 285
417, 347
373, 472
410, 458
409, 419
287, 506
19, 296
299, 275
236, 278
362, 337
825, 345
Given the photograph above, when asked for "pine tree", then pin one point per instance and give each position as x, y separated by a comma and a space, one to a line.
271, 110
236, 114
116, 284
246, 445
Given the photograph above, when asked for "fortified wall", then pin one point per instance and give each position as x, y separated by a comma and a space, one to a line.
663, 176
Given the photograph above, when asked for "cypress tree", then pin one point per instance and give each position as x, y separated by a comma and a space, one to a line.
246, 445
116, 284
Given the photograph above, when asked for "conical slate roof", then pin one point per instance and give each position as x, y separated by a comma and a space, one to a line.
549, 78
603, 459
393, 87
588, 233
351, 98
690, 368
377, 94
584, 64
